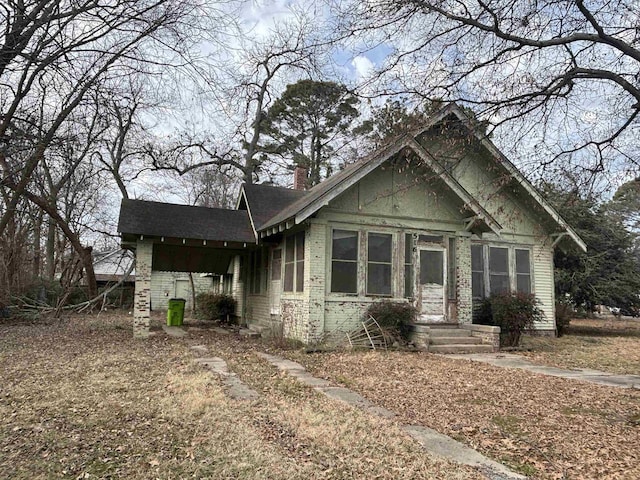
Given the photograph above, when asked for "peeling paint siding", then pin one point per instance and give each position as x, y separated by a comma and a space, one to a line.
314, 279
544, 284
163, 287
385, 193
344, 315
464, 305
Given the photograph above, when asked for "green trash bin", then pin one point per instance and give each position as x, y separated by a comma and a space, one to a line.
175, 312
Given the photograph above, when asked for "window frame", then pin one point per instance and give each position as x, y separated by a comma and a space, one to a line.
390, 263
356, 261
511, 266
297, 284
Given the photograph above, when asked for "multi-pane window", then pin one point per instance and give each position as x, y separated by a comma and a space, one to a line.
523, 271
344, 261
294, 263
379, 263
408, 265
276, 264
477, 271
498, 270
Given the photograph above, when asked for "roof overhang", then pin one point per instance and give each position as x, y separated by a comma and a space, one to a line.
455, 110
481, 221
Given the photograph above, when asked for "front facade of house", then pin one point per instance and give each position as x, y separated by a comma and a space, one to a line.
439, 218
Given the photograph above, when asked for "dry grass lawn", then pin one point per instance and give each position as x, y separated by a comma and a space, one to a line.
609, 345
542, 426
81, 399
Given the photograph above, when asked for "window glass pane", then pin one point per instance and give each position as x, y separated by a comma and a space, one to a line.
289, 253
524, 283
431, 267
499, 284
300, 246
408, 281
276, 264
344, 277
379, 247
477, 284
345, 245
476, 258
522, 261
408, 248
299, 276
379, 279
288, 277
499, 260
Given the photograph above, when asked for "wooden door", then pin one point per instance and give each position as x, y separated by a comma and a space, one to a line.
431, 284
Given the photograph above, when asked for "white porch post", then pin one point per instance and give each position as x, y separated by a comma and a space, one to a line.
142, 297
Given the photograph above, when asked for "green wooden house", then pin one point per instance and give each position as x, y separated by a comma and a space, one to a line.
439, 218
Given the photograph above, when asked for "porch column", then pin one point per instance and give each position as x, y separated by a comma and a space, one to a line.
142, 297
463, 280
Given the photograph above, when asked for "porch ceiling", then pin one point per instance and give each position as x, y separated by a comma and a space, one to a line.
177, 258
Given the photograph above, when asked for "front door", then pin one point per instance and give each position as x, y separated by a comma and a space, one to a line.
432, 283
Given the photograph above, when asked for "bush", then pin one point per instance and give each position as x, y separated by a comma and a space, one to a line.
395, 318
514, 313
564, 313
216, 306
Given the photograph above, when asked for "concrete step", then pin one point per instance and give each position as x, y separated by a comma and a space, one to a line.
256, 327
247, 332
455, 341
456, 348
449, 332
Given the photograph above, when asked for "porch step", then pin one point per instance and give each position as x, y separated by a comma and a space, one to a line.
448, 332
457, 348
455, 341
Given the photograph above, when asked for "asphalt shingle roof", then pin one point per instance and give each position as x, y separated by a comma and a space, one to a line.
141, 217
267, 201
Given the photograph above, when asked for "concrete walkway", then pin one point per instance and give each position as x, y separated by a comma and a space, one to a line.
433, 442
235, 387
510, 360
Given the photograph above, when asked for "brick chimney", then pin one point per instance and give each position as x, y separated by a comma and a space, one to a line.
300, 178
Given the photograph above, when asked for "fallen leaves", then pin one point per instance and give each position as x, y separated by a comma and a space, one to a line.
543, 426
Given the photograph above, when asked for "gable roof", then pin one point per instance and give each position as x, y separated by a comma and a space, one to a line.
266, 201
320, 195
454, 110
141, 217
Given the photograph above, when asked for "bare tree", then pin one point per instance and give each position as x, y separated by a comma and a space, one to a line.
569, 70
248, 77
61, 49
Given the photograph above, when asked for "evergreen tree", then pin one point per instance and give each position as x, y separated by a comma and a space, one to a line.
309, 124
609, 272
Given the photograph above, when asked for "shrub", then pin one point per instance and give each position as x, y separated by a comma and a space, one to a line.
216, 306
514, 313
564, 313
395, 318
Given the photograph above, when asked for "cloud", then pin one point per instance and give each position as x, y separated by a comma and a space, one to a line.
363, 66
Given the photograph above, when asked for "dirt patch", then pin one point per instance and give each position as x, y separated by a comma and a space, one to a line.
609, 345
82, 399
541, 426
